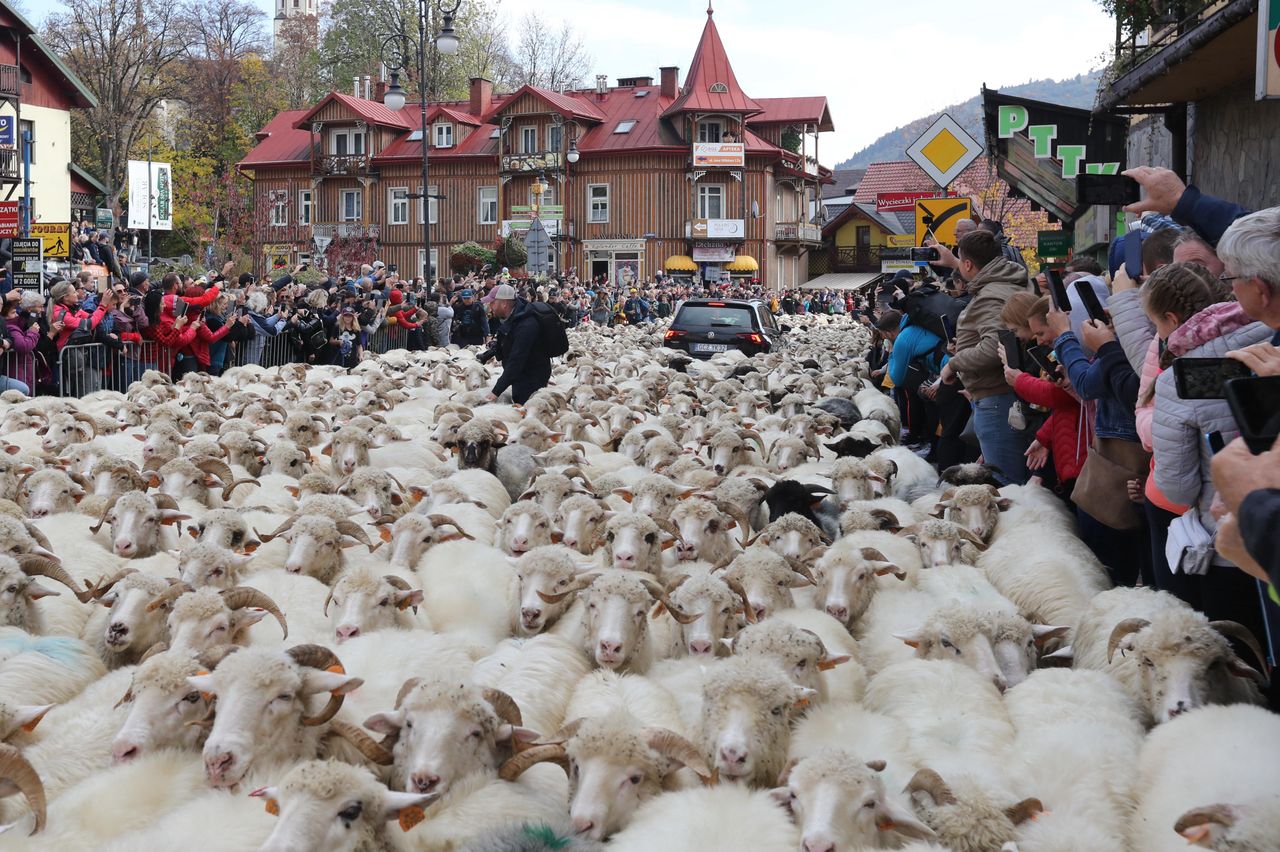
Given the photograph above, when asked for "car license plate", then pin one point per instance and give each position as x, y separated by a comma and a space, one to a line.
708, 347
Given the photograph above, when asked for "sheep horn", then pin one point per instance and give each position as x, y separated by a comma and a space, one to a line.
405, 688
158, 648
106, 510
88, 421
1236, 630
660, 594
15, 769
582, 582
399, 583
504, 705
1121, 630
1220, 814
675, 747
1023, 811
801, 569
931, 782
968, 536
667, 527
888, 520
549, 753
105, 584
871, 553
373, 750
280, 530
238, 597
41, 539
319, 657
737, 589
357, 532
744, 525
676, 582
217, 468
753, 435
164, 501
575, 473
438, 520
43, 566
169, 595
227, 489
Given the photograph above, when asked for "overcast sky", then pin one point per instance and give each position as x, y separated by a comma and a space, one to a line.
881, 63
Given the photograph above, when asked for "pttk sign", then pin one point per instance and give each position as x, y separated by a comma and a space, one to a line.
900, 202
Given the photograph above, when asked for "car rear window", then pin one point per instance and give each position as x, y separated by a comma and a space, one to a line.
727, 316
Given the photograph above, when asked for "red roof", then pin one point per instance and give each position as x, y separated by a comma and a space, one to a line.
371, 111
710, 67
570, 104
281, 141
795, 111
620, 105
895, 176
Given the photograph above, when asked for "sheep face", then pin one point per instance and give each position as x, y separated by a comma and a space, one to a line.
63, 430
227, 529
789, 452
286, 459
374, 491
445, 730
131, 629
633, 542
201, 621
16, 541
944, 543
977, 508
747, 707
704, 531
799, 653
545, 583
136, 522
966, 817
315, 548
163, 708
262, 697
326, 806
792, 536
846, 581
550, 490
581, 520
524, 526
728, 449
303, 430
719, 610
615, 620
182, 480
17, 594
362, 602
446, 431
839, 803
349, 450
49, 491
478, 444
162, 443
767, 581
654, 495
112, 477
853, 480
612, 771
206, 564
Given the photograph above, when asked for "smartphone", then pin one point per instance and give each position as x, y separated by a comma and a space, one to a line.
1042, 357
1012, 349
392, 268
927, 254
1205, 378
1057, 290
1092, 304
1107, 190
1255, 404
179, 307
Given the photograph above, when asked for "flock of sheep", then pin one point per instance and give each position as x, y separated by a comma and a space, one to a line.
666, 605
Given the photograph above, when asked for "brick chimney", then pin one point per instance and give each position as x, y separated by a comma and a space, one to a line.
670, 87
481, 96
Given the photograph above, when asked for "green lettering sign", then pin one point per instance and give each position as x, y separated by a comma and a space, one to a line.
1043, 135
1102, 168
1071, 157
1011, 119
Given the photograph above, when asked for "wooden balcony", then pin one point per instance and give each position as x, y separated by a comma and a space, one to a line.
856, 259
797, 233
345, 230
340, 165
10, 166
9, 80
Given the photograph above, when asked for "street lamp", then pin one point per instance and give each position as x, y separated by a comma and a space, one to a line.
399, 50
573, 156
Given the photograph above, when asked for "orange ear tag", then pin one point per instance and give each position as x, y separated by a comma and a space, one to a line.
409, 817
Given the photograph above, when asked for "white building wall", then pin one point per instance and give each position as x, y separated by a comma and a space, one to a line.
51, 152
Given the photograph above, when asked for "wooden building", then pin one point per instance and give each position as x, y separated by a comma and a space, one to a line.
693, 178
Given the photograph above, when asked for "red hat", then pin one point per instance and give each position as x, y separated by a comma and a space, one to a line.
396, 297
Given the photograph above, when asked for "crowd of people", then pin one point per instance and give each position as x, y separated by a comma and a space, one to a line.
985, 363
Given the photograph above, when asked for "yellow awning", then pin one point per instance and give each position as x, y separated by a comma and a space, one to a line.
681, 263
743, 263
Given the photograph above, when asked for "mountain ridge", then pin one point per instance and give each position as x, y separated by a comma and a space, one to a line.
1078, 91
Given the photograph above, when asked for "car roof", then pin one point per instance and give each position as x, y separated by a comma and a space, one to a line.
741, 303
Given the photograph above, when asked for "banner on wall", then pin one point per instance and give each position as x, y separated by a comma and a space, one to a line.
156, 181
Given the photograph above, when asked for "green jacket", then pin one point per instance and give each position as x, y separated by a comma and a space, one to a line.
977, 358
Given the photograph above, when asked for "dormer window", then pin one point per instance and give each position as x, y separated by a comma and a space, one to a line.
710, 131
444, 135
347, 142
718, 89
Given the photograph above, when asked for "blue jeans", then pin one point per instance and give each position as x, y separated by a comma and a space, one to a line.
1002, 446
7, 383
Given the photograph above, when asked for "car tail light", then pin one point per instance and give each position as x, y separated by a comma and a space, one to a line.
753, 337
715, 304
674, 334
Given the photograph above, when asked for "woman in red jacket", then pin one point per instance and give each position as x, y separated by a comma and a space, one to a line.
176, 333
1065, 434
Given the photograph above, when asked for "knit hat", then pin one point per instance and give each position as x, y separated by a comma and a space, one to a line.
136, 279
396, 297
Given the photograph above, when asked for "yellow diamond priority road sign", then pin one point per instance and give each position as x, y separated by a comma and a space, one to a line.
944, 150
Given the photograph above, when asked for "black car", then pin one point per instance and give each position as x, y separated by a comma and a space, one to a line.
707, 327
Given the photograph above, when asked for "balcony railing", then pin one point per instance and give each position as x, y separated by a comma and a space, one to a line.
340, 164
9, 81
344, 230
857, 259
9, 165
1158, 24
797, 232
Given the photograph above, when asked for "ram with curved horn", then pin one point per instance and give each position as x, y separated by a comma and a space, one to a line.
18, 775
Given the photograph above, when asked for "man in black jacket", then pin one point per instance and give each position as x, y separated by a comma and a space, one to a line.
470, 323
526, 366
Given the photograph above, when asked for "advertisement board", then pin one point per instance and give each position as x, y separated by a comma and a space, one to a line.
731, 154
900, 202
713, 253
28, 264
718, 229
8, 218
56, 237
157, 181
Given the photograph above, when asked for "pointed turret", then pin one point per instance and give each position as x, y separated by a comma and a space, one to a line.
711, 85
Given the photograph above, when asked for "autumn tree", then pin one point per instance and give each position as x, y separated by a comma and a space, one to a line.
224, 36
126, 52
548, 57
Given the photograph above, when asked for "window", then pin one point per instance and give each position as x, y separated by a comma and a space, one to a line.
487, 205
304, 207
528, 140
598, 202
625, 126
279, 207
555, 133
347, 143
352, 205
711, 202
435, 204
431, 273
398, 205
709, 131
444, 135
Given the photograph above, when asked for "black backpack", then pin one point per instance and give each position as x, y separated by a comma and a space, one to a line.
555, 341
933, 310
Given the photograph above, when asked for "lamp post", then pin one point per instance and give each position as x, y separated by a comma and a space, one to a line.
398, 50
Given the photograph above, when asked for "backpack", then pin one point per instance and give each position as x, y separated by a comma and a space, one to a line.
933, 310
554, 340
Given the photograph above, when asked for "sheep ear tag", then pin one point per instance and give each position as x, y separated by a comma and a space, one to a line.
831, 662
208, 696
384, 533
411, 816
271, 805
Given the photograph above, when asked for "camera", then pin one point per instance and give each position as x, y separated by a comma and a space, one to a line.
926, 254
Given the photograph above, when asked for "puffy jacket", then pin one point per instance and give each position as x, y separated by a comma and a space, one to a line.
1132, 327
1108, 378
913, 343
1179, 426
1143, 417
1066, 432
977, 361
71, 321
1207, 216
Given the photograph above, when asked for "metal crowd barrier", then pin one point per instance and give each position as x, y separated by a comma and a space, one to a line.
88, 368
14, 368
